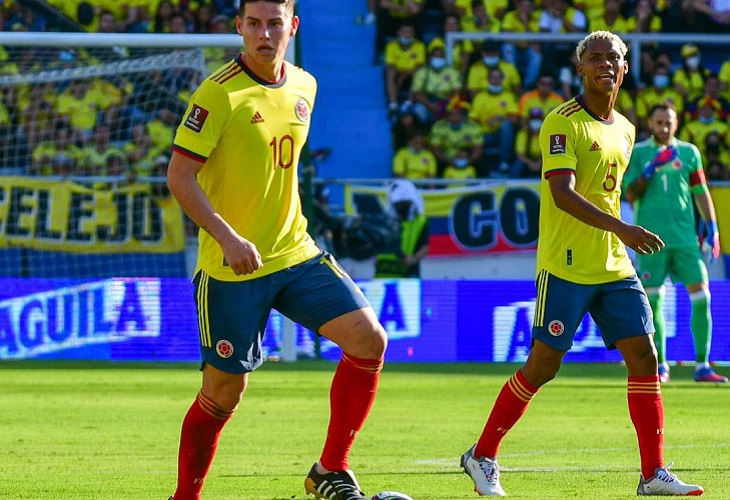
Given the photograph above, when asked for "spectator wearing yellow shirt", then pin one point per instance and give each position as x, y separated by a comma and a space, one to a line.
543, 97
644, 19
139, 152
80, 107
593, 9
162, 130
392, 14
611, 19
526, 56
724, 76
463, 49
528, 155
455, 132
707, 122
711, 92
478, 77
403, 56
460, 169
718, 157
434, 84
495, 8
689, 80
58, 155
496, 111
479, 20
94, 156
659, 91
415, 161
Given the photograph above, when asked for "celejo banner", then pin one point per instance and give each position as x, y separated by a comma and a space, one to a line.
68, 217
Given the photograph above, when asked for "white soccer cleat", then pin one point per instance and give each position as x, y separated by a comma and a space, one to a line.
664, 483
484, 472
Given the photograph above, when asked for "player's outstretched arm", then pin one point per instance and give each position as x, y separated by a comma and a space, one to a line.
562, 188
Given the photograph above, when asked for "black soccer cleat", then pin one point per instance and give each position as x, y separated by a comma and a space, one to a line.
339, 485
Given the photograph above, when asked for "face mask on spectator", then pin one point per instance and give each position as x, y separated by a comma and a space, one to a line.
661, 81
490, 60
707, 119
405, 40
461, 162
535, 124
494, 89
693, 62
438, 62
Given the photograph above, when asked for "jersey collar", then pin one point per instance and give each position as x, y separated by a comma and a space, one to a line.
261, 81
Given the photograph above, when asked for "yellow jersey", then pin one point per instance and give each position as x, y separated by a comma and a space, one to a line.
250, 133
575, 141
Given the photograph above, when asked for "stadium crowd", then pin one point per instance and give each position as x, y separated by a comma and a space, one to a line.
115, 124
478, 117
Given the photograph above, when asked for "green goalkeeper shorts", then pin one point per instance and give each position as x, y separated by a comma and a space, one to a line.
682, 264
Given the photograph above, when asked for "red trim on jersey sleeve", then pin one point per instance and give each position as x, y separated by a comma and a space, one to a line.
188, 153
559, 171
697, 178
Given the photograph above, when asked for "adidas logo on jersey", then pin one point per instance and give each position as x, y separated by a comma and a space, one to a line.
595, 147
257, 118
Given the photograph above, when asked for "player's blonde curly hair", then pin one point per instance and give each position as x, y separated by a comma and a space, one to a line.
600, 35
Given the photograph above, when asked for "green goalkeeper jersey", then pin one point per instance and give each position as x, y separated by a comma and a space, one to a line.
666, 207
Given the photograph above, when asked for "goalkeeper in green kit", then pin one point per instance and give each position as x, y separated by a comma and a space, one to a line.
663, 176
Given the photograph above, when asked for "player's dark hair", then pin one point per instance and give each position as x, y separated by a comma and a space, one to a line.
663, 106
287, 3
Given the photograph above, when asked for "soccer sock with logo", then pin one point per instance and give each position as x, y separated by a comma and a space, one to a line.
198, 441
511, 403
351, 396
656, 302
701, 324
647, 415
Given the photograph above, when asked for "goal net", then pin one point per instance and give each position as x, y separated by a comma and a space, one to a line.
95, 255
86, 126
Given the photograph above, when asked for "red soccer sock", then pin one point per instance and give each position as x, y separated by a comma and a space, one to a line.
511, 403
351, 397
647, 414
198, 441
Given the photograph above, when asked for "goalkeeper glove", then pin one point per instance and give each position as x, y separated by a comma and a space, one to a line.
710, 237
663, 156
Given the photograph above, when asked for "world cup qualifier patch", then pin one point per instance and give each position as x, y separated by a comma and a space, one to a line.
557, 144
196, 118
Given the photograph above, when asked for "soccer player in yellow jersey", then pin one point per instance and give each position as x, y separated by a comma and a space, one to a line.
583, 266
234, 171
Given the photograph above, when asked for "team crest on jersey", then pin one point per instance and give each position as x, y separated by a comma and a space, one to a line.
556, 328
224, 348
301, 109
627, 149
196, 118
557, 144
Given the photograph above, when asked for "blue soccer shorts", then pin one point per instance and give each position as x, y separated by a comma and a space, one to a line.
619, 308
232, 315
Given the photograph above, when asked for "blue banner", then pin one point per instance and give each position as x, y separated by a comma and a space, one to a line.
153, 319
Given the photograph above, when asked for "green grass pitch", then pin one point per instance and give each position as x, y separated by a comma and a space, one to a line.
95, 431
